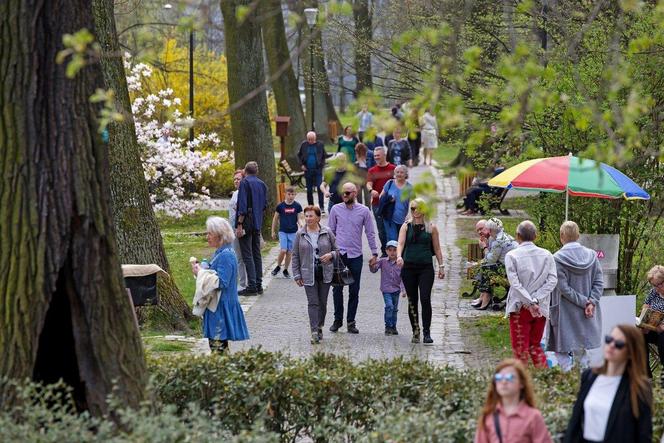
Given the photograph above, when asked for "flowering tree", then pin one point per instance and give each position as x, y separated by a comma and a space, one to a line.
171, 164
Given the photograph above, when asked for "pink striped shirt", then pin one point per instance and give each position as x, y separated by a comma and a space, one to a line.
524, 425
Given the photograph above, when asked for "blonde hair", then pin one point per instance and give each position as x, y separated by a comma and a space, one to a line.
569, 231
656, 273
420, 203
220, 226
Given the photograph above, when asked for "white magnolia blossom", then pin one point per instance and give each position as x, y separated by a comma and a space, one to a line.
171, 163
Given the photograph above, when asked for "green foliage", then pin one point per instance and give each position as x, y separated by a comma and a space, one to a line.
220, 184
263, 397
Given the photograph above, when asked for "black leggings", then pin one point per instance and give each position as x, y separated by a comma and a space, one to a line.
418, 278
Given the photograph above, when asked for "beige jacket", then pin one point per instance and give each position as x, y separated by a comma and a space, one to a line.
207, 292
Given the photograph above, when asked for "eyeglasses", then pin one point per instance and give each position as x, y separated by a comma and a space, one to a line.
504, 377
619, 344
659, 285
347, 193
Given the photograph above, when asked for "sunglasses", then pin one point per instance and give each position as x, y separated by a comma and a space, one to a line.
347, 193
619, 344
510, 378
413, 208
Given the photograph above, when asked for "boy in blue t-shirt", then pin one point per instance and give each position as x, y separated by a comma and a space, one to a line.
288, 214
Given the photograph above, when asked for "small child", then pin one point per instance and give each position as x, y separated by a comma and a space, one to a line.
390, 285
288, 214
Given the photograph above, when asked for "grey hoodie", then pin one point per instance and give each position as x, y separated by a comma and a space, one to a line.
579, 280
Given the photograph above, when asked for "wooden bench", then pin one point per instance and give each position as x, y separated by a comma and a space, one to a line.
465, 182
295, 178
496, 200
474, 255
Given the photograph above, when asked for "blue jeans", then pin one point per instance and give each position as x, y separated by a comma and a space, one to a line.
391, 230
381, 229
391, 308
313, 179
355, 267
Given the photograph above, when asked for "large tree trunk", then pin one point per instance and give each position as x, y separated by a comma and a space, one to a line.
285, 87
363, 28
138, 235
64, 312
250, 123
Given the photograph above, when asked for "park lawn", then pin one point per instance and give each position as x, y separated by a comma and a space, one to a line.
493, 331
445, 154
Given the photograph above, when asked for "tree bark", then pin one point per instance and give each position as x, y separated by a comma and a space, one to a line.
138, 235
363, 27
64, 312
285, 87
250, 124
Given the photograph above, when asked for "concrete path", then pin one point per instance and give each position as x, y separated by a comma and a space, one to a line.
278, 319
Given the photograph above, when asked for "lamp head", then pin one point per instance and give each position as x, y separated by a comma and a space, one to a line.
311, 14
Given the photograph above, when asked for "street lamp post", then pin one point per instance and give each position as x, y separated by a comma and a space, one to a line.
191, 77
311, 14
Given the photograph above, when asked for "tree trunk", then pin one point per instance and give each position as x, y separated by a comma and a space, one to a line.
138, 235
363, 28
64, 312
285, 87
250, 124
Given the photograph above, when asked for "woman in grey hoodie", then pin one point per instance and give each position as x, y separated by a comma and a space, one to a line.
575, 322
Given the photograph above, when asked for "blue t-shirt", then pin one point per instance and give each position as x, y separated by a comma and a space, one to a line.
288, 216
311, 157
401, 200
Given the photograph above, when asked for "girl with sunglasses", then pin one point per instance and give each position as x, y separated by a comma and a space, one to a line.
509, 414
614, 402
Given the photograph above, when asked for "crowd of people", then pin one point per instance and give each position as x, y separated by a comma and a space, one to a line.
558, 293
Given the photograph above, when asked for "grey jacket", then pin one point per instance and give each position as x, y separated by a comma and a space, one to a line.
579, 281
304, 254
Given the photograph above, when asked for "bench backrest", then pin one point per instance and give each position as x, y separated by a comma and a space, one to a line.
286, 166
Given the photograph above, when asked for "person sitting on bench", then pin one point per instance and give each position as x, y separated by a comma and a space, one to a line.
493, 264
475, 192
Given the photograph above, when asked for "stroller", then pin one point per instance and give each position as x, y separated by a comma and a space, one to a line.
497, 282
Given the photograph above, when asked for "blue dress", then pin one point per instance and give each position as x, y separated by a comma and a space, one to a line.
227, 322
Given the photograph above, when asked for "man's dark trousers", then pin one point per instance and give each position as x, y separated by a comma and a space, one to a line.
382, 235
355, 267
250, 244
314, 178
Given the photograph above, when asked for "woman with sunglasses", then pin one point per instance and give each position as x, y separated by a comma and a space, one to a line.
509, 413
314, 250
614, 402
655, 301
418, 241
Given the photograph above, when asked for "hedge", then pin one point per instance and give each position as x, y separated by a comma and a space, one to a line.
257, 396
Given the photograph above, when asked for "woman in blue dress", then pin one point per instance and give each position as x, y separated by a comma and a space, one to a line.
400, 191
227, 321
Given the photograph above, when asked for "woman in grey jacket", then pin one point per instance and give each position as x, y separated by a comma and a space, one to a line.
575, 322
314, 251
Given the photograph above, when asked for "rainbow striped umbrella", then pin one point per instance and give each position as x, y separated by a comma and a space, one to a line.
574, 176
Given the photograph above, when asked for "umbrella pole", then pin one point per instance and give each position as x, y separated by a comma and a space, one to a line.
566, 203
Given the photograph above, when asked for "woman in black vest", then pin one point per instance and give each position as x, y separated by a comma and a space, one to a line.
614, 402
418, 241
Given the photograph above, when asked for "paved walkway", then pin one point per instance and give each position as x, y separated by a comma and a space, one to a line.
278, 319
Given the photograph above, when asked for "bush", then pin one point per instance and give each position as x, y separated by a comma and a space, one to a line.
220, 184
258, 396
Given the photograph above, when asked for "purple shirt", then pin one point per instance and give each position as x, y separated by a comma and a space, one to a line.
346, 224
390, 275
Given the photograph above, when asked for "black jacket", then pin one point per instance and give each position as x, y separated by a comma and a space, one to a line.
622, 427
320, 155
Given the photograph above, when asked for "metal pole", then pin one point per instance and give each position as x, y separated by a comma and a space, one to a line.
191, 83
311, 80
566, 203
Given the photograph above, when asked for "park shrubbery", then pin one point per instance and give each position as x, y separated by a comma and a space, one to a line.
263, 397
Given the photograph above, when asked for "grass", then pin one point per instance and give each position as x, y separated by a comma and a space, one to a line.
494, 332
161, 346
445, 154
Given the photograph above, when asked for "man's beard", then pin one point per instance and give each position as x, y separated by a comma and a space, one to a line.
350, 200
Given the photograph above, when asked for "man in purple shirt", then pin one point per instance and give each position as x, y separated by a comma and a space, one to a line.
346, 222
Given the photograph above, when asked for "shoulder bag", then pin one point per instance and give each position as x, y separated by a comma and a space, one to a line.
341, 275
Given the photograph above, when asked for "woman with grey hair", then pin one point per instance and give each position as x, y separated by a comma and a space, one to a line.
226, 322
493, 264
400, 191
